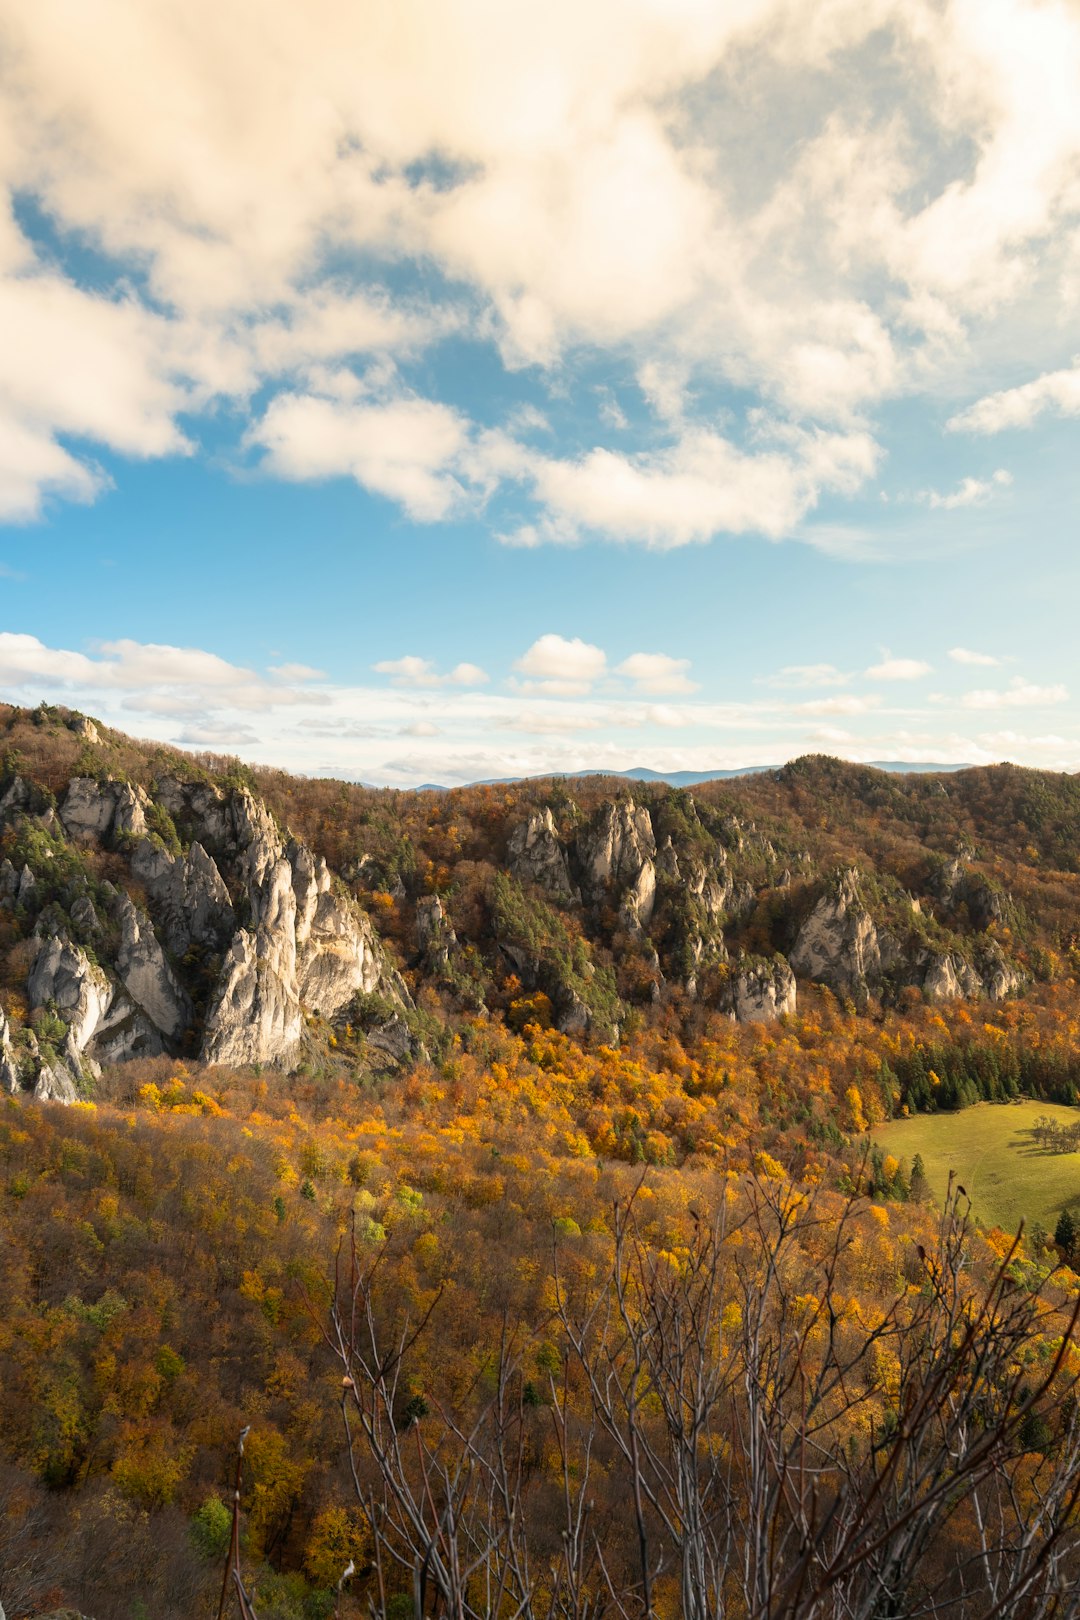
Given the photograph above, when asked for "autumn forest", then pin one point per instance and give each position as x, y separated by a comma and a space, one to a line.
500, 1164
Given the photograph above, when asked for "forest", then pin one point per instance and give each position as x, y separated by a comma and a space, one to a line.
550, 1271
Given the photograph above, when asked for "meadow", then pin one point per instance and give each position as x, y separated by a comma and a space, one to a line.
992, 1149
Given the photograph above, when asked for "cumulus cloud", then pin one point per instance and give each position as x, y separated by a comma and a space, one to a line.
796, 675
414, 671
568, 190
1019, 694
898, 669
969, 492
964, 655
566, 668
153, 678
1054, 393
700, 486
405, 449
657, 674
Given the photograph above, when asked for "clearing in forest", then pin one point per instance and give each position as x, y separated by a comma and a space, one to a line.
994, 1152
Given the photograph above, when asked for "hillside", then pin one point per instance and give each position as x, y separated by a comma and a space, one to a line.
459, 1041
156, 903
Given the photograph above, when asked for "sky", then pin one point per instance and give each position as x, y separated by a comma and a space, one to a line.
429, 393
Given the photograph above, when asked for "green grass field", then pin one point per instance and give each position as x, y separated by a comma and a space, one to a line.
991, 1148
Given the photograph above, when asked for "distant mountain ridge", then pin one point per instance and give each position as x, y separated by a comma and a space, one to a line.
642, 773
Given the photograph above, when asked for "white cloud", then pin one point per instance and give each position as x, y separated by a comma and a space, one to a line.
847, 703
1020, 694
1056, 392
899, 669
154, 678
657, 674
964, 655
832, 224
561, 667
413, 671
405, 449
796, 675
701, 486
420, 728
969, 492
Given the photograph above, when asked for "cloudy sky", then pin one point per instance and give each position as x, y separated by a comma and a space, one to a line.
429, 392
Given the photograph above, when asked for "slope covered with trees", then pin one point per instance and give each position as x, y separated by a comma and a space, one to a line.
537, 1113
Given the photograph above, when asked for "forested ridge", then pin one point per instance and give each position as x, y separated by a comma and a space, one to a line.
606, 1096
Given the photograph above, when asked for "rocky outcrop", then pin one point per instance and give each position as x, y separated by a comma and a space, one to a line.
949, 976
10, 1072
255, 1014
954, 885
435, 934
616, 854
95, 810
104, 1024
190, 901
146, 974
63, 977
839, 944
759, 992
15, 798
535, 855
303, 945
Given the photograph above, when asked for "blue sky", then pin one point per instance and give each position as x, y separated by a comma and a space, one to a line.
428, 395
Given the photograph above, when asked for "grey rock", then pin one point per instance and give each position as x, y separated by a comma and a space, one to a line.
616, 853
255, 1013
9, 883
56, 1083
434, 933
760, 992
146, 973
62, 975
838, 944
536, 856
10, 1073
15, 797
84, 916
24, 895
87, 810
189, 900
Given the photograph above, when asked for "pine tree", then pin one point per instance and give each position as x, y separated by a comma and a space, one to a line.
1065, 1234
918, 1187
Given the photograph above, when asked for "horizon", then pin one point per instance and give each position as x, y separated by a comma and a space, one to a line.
440, 397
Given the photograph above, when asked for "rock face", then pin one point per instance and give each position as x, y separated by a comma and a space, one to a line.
10, 1074
302, 945
434, 933
146, 974
760, 992
617, 855
190, 900
536, 856
838, 944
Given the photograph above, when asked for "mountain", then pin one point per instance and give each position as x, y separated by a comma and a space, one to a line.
642, 773
157, 903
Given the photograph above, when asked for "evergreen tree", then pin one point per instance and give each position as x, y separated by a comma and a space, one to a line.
1065, 1234
918, 1187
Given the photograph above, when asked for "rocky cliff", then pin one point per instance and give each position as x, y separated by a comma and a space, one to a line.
217, 935
172, 912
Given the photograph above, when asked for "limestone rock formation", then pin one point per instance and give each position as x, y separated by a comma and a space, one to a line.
94, 810
760, 991
435, 934
536, 856
10, 1073
616, 853
190, 901
839, 943
146, 974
